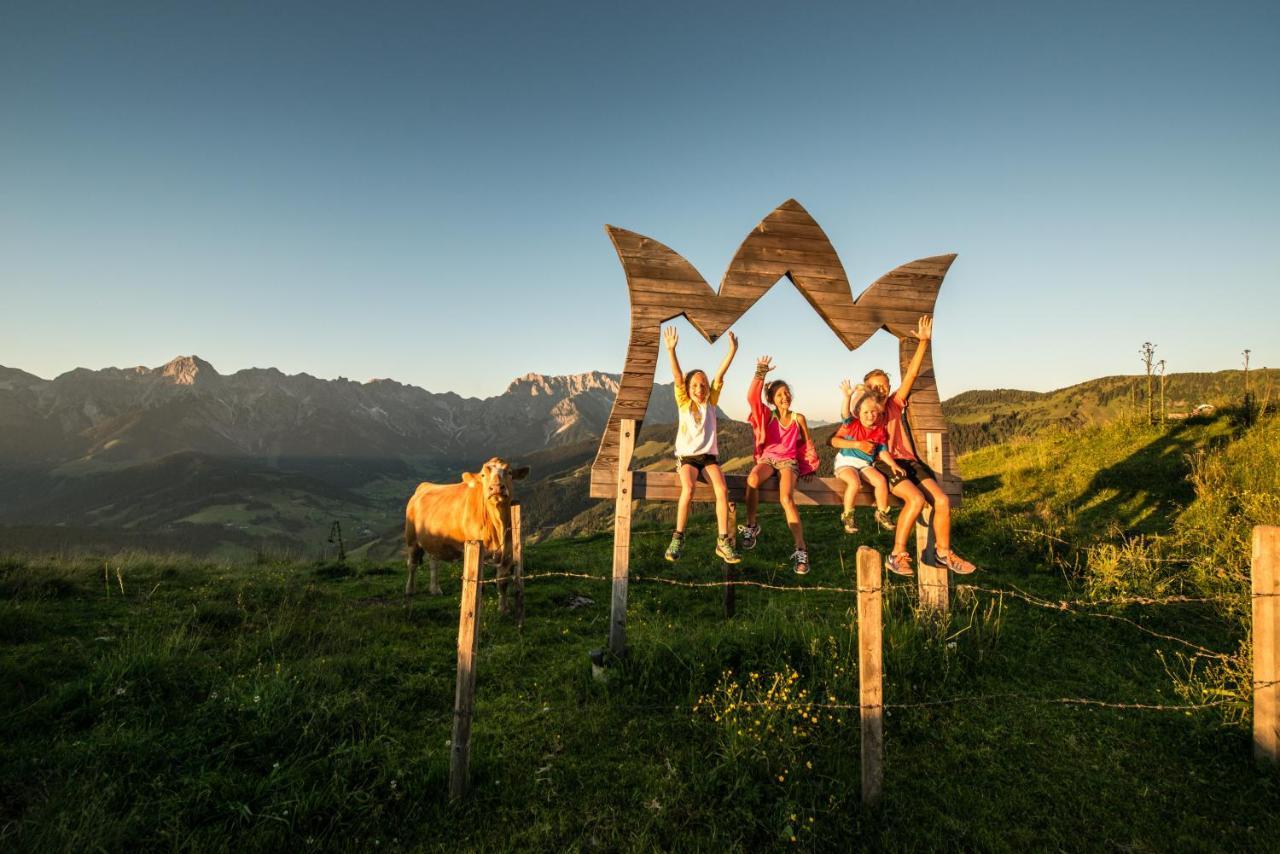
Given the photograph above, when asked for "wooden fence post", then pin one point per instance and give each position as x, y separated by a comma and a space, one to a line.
622, 539
1266, 643
731, 571
870, 673
517, 561
934, 581
465, 691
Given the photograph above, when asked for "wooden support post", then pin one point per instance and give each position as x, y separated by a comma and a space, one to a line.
1266, 644
731, 571
934, 581
622, 539
517, 561
465, 691
870, 673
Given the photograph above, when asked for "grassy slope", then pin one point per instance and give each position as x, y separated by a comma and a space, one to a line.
260, 707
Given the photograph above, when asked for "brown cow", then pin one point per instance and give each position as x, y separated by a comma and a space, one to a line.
441, 518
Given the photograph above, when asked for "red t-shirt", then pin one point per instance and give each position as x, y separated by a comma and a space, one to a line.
899, 444
854, 430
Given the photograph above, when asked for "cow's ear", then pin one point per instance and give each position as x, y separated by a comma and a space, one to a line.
520, 473
470, 479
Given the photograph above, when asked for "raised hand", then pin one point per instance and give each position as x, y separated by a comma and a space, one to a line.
764, 365
733, 343
846, 388
671, 337
924, 328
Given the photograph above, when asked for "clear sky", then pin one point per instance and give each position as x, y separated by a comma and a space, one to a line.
418, 190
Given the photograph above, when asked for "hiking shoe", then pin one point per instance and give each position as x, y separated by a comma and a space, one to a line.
955, 563
846, 519
676, 548
725, 549
899, 563
800, 562
748, 534
884, 520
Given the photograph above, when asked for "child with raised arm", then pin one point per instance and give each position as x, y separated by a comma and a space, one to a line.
784, 447
860, 441
917, 485
696, 445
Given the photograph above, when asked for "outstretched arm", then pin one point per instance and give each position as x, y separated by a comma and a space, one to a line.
728, 360
671, 338
846, 392
924, 332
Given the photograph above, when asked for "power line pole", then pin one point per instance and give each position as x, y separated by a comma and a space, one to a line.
1148, 354
1160, 368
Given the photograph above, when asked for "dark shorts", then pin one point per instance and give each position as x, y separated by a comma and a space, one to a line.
699, 462
916, 472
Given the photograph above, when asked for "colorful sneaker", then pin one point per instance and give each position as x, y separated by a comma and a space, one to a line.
748, 534
884, 520
846, 519
725, 549
899, 563
955, 563
800, 562
676, 548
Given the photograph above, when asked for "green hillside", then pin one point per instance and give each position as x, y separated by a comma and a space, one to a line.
167, 703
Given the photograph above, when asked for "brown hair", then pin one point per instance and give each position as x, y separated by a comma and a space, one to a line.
773, 387
871, 396
875, 373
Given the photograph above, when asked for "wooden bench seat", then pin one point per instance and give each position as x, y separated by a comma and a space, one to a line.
665, 486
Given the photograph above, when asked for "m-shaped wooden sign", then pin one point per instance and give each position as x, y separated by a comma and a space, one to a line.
787, 242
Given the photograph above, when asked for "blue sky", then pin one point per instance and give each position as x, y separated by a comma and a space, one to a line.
419, 191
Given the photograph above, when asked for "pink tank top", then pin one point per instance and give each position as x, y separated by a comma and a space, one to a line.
780, 443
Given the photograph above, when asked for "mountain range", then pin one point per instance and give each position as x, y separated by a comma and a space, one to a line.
182, 457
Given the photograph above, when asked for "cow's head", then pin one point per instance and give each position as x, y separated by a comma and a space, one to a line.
495, 479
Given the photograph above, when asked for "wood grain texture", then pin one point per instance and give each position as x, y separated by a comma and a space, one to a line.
870, 673
789, 244
622, 539
465, 689
1266, 644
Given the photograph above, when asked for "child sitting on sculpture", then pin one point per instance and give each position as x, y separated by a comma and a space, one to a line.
916, 484
697, 446
782, 446
861, 441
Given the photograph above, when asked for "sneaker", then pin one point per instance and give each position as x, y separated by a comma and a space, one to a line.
800, 562
748, 534
846, 519
725, 549
676, 548
899, 563
955, 563
884, 520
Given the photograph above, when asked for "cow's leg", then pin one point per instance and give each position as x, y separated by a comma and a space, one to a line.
435, 576
415, 560
504, 578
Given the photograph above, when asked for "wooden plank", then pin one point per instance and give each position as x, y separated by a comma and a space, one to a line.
870, 673
1266, 644
730, 570
665, 486
622, 539
934, 581
517, 561
465, 688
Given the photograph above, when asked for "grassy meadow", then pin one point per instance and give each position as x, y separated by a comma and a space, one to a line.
152, 701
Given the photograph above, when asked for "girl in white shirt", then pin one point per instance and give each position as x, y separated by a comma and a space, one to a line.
696, 445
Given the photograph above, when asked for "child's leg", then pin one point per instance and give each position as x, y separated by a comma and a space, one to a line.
880, 485
787, 498
688, 477
759, 475
850, 478
716, 478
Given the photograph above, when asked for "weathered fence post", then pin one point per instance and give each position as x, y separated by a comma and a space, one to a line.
934, 581
517, 561
622, 538
870, 673
731, 571
1266, 643
465, 691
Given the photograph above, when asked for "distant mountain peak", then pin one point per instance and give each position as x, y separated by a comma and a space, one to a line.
188, 370
533, 384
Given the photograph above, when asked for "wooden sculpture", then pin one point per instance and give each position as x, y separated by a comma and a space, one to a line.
787, 242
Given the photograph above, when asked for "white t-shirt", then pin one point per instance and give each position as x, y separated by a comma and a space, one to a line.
697, 433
